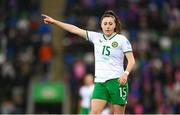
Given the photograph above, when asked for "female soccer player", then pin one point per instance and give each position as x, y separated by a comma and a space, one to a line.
110, 47
85, 93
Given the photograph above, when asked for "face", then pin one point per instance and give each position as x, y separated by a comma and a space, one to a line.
108, 25
88, 79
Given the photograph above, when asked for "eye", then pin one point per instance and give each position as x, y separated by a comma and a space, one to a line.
105, 23
110, 23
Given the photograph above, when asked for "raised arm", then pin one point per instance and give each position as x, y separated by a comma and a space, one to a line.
68, 27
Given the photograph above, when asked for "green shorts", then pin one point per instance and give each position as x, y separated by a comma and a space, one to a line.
111, 91
84, 111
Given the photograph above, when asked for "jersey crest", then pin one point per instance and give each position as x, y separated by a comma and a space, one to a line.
114, 44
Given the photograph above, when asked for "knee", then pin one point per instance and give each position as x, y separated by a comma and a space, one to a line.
95, 111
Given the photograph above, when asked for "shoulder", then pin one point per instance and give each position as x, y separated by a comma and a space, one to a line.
123, 37
94, 33
82, 88
93, 36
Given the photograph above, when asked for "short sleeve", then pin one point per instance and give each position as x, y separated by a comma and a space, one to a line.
92, 36
126, 45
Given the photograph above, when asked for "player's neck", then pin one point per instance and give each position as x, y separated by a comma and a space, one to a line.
109, 37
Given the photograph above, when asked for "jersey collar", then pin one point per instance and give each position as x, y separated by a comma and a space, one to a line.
109, 38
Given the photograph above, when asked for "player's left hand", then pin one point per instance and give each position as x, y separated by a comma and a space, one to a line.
123, 79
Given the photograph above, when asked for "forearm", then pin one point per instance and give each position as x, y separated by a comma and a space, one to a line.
131, 62
68, 27
130, 66
123, 78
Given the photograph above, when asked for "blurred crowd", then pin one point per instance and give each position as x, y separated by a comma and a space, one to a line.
152, 26
25, 50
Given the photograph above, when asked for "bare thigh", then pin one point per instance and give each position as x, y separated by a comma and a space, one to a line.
97, 106
117, 109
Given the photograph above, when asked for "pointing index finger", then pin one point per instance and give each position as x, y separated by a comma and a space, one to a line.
43, 15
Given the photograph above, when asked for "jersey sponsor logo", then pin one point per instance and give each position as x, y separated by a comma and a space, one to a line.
114, 44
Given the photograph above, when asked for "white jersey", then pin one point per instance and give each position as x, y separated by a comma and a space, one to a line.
86, 93
109, 55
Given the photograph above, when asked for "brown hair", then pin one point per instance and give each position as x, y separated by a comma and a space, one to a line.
110, 13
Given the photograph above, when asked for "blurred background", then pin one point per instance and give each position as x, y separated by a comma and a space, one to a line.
42, 67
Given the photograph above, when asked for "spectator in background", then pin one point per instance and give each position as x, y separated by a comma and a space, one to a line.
46, 53
19, 23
